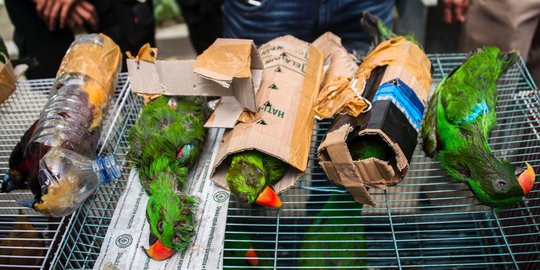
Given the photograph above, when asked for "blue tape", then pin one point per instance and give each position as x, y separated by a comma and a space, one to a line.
101, 164
404, 98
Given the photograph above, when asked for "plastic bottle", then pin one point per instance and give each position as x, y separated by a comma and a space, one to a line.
62, 150
70, 178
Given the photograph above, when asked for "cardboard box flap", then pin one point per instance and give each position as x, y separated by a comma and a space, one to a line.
237, 73
349, 176
282, 127
236, 62
171, 77
226, 113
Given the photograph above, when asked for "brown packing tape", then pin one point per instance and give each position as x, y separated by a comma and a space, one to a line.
100, 63
7, 79
400, 71
397, 52
225, 62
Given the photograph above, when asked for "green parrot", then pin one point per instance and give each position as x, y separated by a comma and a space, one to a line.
165, 142
370, 146
459, 119
335, 237
250, 175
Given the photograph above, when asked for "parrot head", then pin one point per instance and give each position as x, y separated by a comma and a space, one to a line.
502, 185
171, 217
248, 179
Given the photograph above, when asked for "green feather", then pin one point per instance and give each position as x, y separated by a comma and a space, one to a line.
164, 143
250, 171
335, 237
459, 119
370, 146
171, 215
379, 32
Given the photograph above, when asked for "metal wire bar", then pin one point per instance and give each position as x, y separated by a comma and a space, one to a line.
428, 221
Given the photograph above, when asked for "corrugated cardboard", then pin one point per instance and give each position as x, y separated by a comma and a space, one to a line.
228, 68
283, 124
7, 79
397, 85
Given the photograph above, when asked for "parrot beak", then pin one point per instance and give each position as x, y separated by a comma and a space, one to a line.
526, 179
158, 251
269, 198
252, 257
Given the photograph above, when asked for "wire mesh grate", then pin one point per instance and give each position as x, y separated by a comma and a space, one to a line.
29, 240
428, 221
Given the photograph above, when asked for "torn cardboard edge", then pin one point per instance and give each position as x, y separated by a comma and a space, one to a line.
389, 119
283, 128
212, 78
388, 123
7, 79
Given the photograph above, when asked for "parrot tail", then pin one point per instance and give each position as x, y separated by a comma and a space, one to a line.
509, 59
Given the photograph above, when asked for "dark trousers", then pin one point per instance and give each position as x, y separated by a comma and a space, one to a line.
129, 23
304, 19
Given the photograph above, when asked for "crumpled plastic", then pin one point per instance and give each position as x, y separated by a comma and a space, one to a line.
64, 142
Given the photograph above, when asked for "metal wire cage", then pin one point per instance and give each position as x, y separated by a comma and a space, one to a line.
428, 221
29, 240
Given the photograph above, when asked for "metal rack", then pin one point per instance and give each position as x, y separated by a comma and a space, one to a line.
67, 242
428, 221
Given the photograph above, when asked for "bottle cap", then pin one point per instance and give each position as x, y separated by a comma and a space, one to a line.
108, 167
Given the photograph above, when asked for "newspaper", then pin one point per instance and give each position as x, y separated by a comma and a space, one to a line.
129, 229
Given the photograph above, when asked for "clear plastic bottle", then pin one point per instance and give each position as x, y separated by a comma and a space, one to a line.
68, 179
64, 169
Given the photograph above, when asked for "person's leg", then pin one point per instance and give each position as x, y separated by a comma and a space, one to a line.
204, 24
506, 24
270, 19
343, 19
34, 39
533, 59
130, 24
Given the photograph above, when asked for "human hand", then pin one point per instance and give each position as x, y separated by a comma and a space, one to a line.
83, 12
454, 10
53, 11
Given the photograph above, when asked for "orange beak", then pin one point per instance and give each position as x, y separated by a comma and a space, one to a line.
158, 251
252, 257
269, 198
526, 179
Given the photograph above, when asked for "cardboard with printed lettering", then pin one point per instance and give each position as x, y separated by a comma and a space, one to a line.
283, 123
229, 68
